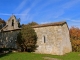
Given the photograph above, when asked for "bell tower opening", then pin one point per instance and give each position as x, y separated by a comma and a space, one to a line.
12, 22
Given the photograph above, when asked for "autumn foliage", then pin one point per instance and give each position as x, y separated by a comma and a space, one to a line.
75, 38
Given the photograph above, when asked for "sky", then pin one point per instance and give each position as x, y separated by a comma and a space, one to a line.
42, 11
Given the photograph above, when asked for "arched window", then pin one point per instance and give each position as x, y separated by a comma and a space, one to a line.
44, 39
12, 22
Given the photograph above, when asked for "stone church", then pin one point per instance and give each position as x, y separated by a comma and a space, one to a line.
8, 33
53, 38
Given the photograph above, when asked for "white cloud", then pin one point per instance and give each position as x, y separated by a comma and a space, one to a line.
72, 22
38, 10
10, 14
22, 4
45, 22
26, 11
76, 21
63, 7
70, 4
59, 12
4, 14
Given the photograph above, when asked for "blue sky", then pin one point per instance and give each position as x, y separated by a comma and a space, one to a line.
42, 11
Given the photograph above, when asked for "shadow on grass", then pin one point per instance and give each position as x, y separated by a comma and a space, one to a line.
4, 54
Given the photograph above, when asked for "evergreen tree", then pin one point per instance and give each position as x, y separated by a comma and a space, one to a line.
27, 38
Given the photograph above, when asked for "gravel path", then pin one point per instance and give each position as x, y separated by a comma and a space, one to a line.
48, 58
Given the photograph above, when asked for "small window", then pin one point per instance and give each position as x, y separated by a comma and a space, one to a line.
12, 22
44, 39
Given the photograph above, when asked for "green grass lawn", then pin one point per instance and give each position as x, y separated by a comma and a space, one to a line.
33, 56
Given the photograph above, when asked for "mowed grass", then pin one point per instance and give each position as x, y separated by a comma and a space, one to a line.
35, 56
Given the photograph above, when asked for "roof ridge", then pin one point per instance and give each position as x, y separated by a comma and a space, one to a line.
50, 24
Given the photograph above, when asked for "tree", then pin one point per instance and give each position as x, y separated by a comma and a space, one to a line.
2, 23
32, 23
27, 38
75, 38
19, 22
74, 33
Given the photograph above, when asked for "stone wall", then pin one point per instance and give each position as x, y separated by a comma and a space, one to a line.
52, 39
66, 40
8, 39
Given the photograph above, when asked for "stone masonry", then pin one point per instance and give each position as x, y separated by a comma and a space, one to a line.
8, 39
8, 34
53, 38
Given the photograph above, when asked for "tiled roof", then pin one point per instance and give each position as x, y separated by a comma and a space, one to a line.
50, 24
11, 30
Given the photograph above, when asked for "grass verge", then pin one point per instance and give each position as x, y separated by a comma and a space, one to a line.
33, 56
